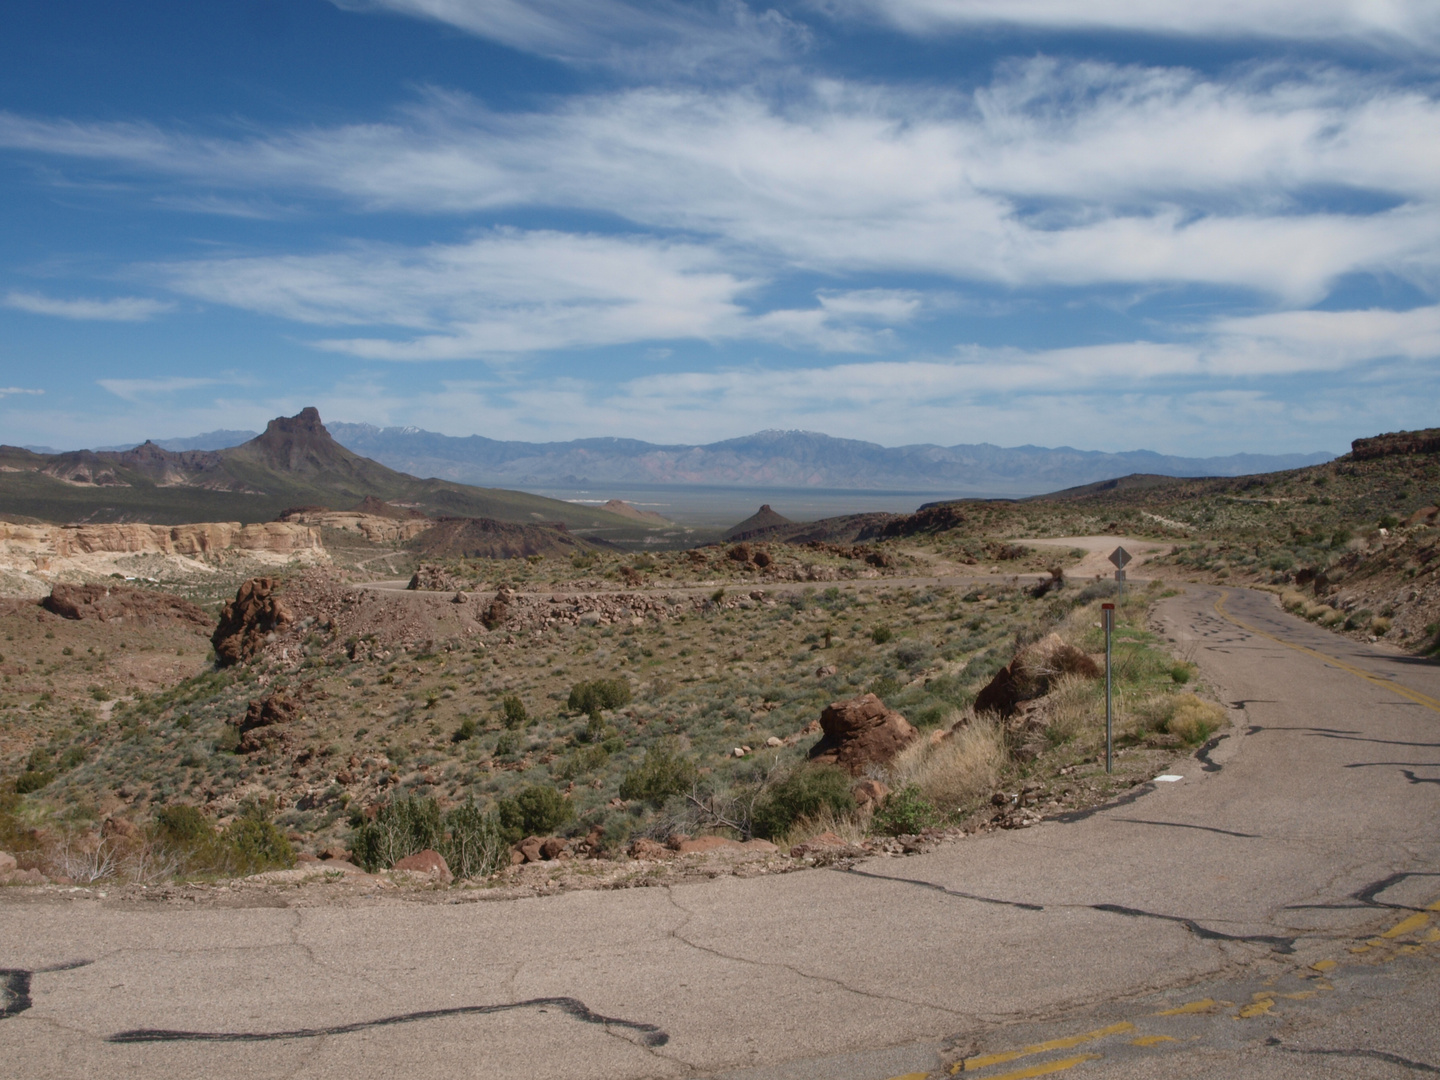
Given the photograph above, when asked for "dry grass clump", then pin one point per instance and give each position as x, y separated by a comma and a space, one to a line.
853, 827
1194, 719
1074, 705
957, 770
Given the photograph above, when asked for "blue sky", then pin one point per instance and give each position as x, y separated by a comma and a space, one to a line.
1194, 228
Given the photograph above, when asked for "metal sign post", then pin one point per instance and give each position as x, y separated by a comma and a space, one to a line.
1107, 614
1120, 557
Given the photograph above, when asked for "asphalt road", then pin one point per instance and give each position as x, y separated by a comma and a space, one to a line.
1271, 913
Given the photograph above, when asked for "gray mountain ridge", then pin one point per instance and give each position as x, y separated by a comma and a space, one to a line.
781, 460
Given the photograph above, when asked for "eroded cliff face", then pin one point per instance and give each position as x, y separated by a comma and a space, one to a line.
375, 528
32, 557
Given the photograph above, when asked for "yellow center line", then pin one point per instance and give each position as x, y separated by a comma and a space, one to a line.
1151, 1040
984, 1060
1404, 691
1047, 1067
1408, 926
1204, 1005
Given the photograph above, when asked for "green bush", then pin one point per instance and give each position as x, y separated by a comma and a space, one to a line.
466, 730
183, 826
401, 827
515, 715
663, 772
537, 810
581, 761
32, 780
906, 811
597, 695
507, 745
881, 634
1180, 673
806, 792
252, 843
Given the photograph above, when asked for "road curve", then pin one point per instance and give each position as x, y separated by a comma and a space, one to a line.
1207, 926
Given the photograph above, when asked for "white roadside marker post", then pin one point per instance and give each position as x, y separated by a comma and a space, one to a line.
1107, 614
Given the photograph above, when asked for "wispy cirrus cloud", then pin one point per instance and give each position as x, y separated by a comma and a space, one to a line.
510, 291
1404, 25
140, 390
115, 309
633, 37
8, 391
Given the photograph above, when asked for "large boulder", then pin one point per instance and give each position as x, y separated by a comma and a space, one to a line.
859, 732
245, 623
268, 721
1030, 674
110, 603
427, 863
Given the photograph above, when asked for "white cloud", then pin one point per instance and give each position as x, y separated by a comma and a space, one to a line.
510, 291
118, 309
8, 391
1404, 25
649, 37
139, 390
1054, 174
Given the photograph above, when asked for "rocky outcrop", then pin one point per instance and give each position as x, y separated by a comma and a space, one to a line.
1426, 441
268, 722
859, 732
200, 539
377, 528
109, 603
1030, 674
256, 612
757, 524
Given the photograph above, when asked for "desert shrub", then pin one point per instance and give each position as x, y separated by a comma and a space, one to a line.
507, 745
881, 634
32, 780
958, 770
474, 844
905, 811
251, 843
537, 810
805, 793
1180, 674
663, 772
1381, 626
1074, 705
514, 710
912, 654
466, 730
1194, 720
400, 828
182, 826
581, 761
599, 694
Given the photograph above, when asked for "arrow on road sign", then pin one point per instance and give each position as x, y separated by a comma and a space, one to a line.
1120, 557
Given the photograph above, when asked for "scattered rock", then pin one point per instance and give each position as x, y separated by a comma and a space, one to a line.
334, 854
268, 720
649, 850
825, 671
246, 621
552, 847
1030, 673
859, 732
427, 862
499, 609
702, 844
774, 740
7, 862
763, 846
119, 828
23, 877
827, 847
529, 849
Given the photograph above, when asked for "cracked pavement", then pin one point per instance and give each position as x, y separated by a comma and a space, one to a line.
1288, 852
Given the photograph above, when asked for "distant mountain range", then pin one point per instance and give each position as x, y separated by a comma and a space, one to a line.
295, 462
782, 459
